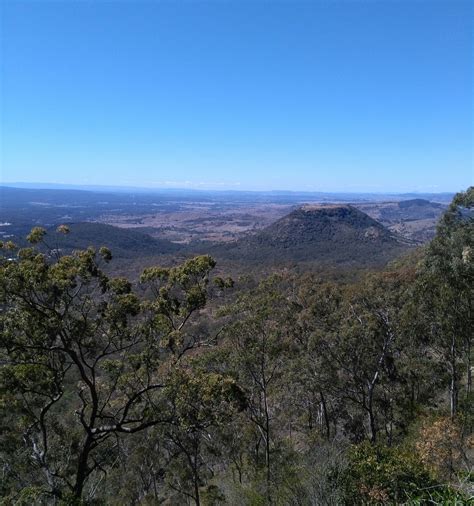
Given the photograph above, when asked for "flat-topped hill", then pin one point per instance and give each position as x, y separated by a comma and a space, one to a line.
321, 233
319, 224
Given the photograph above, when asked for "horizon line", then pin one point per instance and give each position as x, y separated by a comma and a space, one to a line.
97, 187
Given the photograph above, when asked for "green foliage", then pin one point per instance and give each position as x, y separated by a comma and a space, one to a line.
36, 235
63, 229
465, 199
82, 360
379, 474
445, 293
105, 253
299, 390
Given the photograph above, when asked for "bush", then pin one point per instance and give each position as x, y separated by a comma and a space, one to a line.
380, 474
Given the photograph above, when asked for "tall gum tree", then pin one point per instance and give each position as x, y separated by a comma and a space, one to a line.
446, 293
86, 359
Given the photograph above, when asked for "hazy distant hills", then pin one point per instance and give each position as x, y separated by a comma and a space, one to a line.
418, 203
413, 209
320, 233
415, 219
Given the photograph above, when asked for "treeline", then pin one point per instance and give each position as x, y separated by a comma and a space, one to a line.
186, 388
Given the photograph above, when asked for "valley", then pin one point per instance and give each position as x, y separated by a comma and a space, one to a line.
185, 216
244, 231
314, 341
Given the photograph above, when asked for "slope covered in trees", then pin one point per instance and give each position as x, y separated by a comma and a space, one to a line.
125, 243
328, 234
185, 388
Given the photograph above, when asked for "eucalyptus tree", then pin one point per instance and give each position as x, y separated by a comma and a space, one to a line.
202, 402
86, 360
312, 374
446, 293
356, 336
256, 341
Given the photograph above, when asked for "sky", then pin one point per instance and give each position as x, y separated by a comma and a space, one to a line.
322, 95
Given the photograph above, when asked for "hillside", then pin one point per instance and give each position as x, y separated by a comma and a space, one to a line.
320, 233
124, 243
414, 219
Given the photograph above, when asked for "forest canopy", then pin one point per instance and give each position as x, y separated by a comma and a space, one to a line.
184, 387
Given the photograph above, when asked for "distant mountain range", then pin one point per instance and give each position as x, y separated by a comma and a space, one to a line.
272, 195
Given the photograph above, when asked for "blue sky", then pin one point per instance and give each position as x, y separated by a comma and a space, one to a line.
328, 95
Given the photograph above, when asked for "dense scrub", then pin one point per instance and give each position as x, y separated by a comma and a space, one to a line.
186, 388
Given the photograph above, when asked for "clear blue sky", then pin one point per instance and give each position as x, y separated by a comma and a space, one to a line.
319, 95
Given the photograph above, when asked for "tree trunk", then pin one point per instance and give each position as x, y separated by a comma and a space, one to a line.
469, 372
195, 469
370, 413
373, 430
196, 492
82, 468
453, 388
267, 443
325, 415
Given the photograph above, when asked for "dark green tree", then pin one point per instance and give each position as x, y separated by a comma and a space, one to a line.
256, 341
86, 360
446, 293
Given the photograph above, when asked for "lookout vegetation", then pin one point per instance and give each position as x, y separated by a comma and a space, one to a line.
182, 387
